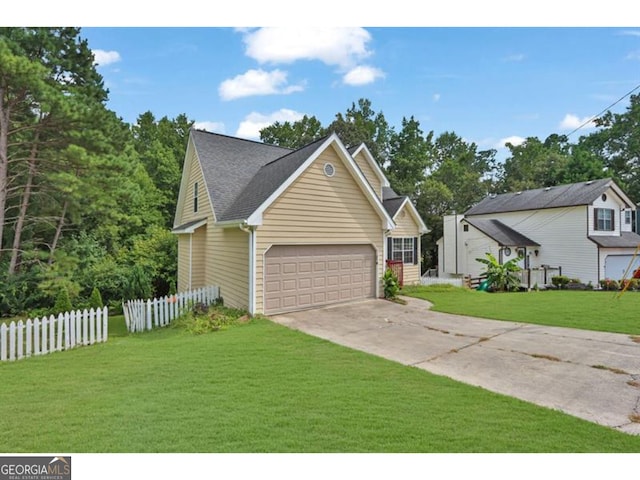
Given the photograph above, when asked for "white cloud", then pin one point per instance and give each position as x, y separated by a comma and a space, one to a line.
341, 46
362, 75
217, 127
436, 97
103, 57
254, 122
257, 82
571, 121
635, 55
516, 57
514, 140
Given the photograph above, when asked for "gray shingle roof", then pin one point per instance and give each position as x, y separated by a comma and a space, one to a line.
582, 193
501, 233
229, 164
391, 201
266, 181
625, 240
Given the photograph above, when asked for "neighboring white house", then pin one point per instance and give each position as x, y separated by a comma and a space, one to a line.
585, 229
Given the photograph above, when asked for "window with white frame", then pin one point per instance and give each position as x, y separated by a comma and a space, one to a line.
603, 219
627, 217
403, 249
195, 197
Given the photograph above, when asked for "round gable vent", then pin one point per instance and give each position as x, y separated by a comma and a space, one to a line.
329, 170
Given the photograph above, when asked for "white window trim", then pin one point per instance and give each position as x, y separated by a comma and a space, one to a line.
403, 250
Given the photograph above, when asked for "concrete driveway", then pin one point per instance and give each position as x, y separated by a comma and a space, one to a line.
591, 375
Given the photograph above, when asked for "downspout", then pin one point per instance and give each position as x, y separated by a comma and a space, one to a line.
455, 225
252, 266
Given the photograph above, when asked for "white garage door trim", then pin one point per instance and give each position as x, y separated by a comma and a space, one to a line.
298, 277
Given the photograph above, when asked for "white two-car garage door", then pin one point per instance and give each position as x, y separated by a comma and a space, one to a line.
615, 266
306, 276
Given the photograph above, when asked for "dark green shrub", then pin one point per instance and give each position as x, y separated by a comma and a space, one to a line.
63, 302
390, 284
95, 300
608, 284
560, 281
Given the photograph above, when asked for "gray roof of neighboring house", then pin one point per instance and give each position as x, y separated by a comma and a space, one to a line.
391, 201
582, 193
267, 180
625, 240
229, 164
501, 233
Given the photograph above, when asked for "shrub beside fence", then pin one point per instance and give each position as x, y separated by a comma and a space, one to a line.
53, 334
141, 315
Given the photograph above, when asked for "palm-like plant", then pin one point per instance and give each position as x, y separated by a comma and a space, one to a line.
501, 276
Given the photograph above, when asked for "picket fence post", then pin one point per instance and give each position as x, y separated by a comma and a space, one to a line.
20, 339
29, 337
3, 342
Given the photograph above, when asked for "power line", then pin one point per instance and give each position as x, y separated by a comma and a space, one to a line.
603, 111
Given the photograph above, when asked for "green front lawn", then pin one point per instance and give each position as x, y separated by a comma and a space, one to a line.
589, 310
260, 387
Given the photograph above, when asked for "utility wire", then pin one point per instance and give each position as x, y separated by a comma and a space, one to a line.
603, 111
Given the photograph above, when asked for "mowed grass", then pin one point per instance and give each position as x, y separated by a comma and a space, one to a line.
590, 310
260, 387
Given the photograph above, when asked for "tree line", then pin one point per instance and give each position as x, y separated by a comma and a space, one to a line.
444, 174
87, 200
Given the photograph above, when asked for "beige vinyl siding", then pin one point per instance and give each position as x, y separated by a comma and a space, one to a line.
369, 173
407, 227
199, 257
228, 264
204, 207
317, 209
183, 263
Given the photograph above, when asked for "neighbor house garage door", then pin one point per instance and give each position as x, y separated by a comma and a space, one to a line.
615, 266
305, 276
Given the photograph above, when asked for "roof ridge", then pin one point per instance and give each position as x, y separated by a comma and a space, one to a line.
241, 139
295, 151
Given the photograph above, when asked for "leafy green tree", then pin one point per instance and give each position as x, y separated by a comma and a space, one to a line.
160, 146
293, 134
617, 145
63, 302
361, 124
410, 158
95, 300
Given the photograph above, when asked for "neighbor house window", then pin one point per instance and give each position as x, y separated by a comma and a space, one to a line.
627, 217
404, 250
195, 197
604, 219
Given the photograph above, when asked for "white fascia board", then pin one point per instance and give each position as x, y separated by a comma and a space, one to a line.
387, 222
372, 162
422, 228
187, 167
190, 229
618, 191
184, 181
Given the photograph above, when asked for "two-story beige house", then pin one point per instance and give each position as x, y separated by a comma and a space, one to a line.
281, 230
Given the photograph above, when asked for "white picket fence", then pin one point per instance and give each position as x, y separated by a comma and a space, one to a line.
141, 315
457, 282
68, 330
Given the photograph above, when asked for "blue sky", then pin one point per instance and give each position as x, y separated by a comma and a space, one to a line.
486, 84
487, 73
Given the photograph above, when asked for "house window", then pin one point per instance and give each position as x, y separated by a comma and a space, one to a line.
627, 217
195, 197
465, 228
604, 219
404, 250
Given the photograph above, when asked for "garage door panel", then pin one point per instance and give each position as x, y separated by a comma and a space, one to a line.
304, 276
